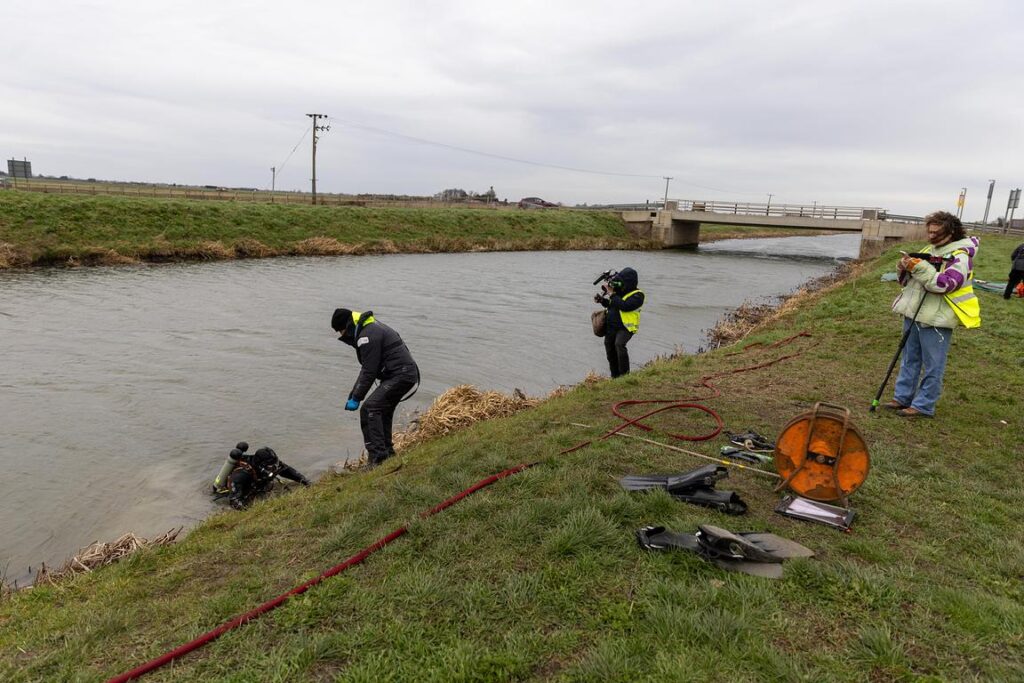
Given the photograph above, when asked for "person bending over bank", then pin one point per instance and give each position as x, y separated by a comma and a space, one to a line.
941, 296
623, 301
382, 356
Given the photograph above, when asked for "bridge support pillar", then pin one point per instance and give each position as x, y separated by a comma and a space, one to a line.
877, 236
675, 234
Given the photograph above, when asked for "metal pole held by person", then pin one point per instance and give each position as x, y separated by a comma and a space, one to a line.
899, 350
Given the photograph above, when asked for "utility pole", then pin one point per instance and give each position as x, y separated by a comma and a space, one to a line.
273, 182
960, 201
768, 211
315, 138
988, 202
664, 204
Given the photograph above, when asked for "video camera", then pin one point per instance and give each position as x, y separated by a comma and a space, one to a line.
606, 277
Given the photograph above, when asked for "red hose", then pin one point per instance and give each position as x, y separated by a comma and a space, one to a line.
337, 569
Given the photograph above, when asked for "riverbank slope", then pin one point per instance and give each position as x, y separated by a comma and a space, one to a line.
54, 230
538, 576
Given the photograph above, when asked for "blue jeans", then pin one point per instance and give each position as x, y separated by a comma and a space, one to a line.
926, 349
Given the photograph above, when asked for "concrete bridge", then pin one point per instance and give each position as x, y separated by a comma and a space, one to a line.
678, 224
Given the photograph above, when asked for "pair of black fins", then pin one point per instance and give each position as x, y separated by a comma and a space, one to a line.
696, 486
757, 554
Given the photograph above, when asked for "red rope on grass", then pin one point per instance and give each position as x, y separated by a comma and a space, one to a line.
685, 404
337, 569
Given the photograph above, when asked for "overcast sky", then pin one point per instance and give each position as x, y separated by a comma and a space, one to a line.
869, 103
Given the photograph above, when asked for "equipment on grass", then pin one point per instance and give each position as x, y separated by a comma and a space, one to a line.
696, 487
821, 455
750, 440
758, 554
737, 453
813, 511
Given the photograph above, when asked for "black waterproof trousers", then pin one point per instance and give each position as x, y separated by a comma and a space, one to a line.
615, 348
1015, 277
377, 413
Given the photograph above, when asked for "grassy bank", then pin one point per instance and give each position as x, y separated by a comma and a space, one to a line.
538, 577
39, 229
54, 230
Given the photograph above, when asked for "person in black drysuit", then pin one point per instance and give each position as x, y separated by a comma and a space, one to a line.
385, 357
254, 473
1016, 271
623, 301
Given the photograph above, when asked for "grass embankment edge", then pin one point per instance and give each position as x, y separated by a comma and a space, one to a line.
538, 577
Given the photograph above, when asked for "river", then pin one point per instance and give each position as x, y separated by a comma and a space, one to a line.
122, 389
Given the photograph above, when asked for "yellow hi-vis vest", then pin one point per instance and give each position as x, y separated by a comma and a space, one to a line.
963, 301
355, 320
631, 319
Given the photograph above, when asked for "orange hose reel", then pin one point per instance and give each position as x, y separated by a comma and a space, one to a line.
821, 455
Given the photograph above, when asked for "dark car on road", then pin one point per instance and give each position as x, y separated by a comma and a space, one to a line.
535, 203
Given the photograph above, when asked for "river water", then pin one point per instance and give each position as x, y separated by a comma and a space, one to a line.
122, 389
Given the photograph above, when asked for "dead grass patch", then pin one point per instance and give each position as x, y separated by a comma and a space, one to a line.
247, 247
100, 555
321, 246
9, 257
214, 251
459, 407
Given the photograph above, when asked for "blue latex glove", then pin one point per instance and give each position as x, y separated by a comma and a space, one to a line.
351, 404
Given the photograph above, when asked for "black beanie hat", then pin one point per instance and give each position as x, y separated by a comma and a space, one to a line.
341, 318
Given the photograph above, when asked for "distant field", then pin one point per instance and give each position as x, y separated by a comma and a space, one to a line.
48, 229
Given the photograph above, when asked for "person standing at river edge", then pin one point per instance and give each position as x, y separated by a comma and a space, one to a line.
937, 295
623, 301
1016, 271
385, 357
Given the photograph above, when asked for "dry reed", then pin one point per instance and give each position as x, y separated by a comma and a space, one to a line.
101, 554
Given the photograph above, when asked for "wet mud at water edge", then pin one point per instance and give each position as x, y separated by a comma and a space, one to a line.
123, 389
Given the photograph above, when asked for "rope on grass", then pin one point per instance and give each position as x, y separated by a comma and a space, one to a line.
690, 403
337, 569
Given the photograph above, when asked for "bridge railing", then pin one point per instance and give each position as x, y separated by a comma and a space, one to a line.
783, 210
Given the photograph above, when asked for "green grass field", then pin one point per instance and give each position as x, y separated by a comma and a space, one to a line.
538, 577
40, 229
56, 230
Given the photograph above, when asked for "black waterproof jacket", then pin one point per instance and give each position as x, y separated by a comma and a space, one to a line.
381, 353
614, 303
1018, 258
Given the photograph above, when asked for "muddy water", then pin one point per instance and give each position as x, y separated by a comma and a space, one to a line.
122, 389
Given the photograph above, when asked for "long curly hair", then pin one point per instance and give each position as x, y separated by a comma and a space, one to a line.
951, 225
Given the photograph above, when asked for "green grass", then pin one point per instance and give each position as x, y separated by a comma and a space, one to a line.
41, 229
44, 230
538, 577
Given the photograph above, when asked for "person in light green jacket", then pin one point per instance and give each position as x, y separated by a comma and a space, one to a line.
937, 296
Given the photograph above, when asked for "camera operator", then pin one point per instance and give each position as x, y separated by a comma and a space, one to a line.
623, 301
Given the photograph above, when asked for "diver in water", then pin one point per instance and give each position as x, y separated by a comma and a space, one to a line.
245, 475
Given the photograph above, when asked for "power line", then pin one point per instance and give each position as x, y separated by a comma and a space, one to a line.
489, 154
502, 157
280, 167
